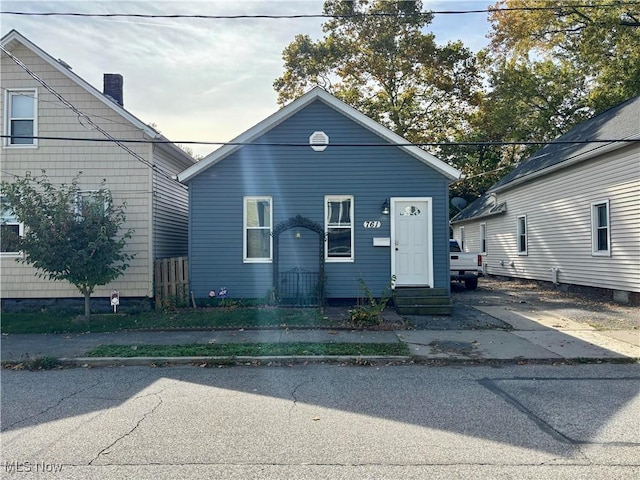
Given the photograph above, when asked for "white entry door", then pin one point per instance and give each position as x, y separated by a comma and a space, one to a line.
411, 241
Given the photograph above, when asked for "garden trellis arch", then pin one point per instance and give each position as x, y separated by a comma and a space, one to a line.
299, 222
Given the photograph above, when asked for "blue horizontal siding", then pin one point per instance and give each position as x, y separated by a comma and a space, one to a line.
298, 178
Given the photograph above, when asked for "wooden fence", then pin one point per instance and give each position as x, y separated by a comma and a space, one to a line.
171, 280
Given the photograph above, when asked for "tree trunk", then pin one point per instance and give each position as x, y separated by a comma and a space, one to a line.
87, 309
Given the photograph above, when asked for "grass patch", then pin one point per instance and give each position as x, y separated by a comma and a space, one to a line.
249, 349
221, 317
37, 363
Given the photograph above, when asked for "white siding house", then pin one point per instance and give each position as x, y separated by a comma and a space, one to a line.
38, 98
570, 214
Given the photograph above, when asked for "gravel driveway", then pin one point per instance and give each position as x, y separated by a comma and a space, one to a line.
529, 296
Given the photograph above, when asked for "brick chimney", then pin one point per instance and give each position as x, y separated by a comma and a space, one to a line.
113, 83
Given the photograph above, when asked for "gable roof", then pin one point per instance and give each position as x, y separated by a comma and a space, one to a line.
484, 206
621, 122
14, 37
289, 110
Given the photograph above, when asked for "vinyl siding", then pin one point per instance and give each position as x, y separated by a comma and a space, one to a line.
170, 207
297, 178
558, 210
126, 177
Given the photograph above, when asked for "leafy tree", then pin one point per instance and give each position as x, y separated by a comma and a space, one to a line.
546, 71
376, 58
530, 103
189, 151
69, 234
598, 42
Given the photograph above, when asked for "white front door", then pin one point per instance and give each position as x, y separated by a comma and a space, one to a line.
411, 241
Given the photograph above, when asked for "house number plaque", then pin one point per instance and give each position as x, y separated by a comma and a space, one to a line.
372, 224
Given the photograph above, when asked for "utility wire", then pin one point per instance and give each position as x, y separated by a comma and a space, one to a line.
57, 105
387, 145
322, 15
81, 114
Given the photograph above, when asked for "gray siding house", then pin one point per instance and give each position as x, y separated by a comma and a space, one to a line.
569, 214
317, 188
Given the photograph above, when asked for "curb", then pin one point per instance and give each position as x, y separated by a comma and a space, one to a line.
350, 359
226, 360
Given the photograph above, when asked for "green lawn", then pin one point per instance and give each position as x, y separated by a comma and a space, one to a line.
249, 349
204, 318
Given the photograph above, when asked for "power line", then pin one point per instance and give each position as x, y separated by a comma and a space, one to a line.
321, 15
81, 114
300, 145
62, 107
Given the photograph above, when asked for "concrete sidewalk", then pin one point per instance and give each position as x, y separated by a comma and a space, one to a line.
536, 335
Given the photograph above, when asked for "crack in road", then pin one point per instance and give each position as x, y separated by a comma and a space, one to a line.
135, 427
542, 424
56, 405
295, 398
548, 464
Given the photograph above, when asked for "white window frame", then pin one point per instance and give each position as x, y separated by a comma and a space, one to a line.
483, 238
461, 240
8, 102
595, 251
20, 233
339, 198
520, 234
245, 229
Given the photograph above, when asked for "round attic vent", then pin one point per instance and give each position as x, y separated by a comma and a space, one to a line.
319, 141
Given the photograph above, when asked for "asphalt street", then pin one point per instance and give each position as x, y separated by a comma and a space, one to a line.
323, 422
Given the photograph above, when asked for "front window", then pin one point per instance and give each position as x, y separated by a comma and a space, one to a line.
522, 235
339, 228
21, 115
600, 231
257, 229
10, 231
483, 238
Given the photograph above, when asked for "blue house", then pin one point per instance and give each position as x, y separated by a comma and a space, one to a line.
315, 202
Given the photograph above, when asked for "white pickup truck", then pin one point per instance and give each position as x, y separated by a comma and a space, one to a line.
465, 267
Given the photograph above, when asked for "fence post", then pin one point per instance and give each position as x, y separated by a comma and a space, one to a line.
171, 280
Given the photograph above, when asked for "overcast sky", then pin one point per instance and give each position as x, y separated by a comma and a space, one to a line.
197, 79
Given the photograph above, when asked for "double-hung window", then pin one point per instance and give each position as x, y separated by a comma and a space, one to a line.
257, 229
339, 228
522, 235
10, 231
21, 114
600, 230
483, 238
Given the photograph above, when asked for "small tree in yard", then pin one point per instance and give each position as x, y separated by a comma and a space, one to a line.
69, 234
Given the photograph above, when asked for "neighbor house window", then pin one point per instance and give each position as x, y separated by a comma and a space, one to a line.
461, 242
522, 235
257, 229
21, 114
86, 200
339, 228
483, 238
10, 231
600, 230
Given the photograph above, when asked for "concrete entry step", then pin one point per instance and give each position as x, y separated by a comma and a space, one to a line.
435, 300
419, 292
424, 309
